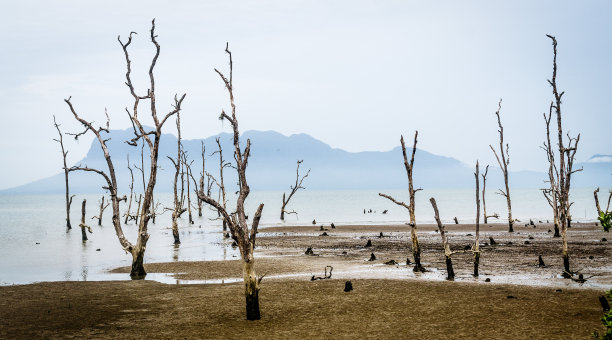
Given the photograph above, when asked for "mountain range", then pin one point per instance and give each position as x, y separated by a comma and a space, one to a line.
272, 166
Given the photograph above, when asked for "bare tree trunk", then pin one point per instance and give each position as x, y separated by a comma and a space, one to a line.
416, 249
294, 189
136, 250
237, 222
201, 188
66, 171
450, 273
83, 226
176, 212
188, 170
222, 164
127, 213
484, 188
503, 164
102, 208
477, 237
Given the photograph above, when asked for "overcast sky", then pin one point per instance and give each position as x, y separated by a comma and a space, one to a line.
354, 74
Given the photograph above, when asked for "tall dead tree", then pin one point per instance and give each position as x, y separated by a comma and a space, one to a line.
60, 140
220, 183
450, 273
200, 188
551, 193
151, 137
563, 171
102, 208
176, 212
503, 165
294, 188
416, 250
476, 248
237, 222
188, 173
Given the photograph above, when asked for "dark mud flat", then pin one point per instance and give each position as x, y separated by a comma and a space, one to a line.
387, 301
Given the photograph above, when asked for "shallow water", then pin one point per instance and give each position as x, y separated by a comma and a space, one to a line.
35, 246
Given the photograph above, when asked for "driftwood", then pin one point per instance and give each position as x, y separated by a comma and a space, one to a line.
151, 137
503, 164
67, 170
326, 276
294, 188
409, 166
236, 221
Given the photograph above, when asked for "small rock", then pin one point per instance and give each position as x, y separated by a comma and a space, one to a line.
492, 241
309, 251
408, 261
324, 234
98, 249
469, 235
604, 239
530, 237
368, 244
37, 242
510, 297
391, 263
348, 286
591, 257
558, 290
487, 280
527, 242
372, 257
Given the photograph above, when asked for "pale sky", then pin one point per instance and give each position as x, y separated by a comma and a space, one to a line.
354, 74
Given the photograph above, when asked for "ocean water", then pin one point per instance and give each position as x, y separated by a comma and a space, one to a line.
35, 245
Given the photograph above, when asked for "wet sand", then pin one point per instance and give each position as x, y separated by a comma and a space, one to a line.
521, 301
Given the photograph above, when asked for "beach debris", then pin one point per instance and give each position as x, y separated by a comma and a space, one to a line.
487, 280
456, 220
591, 257
333, 226
492, 241
541, 263
348, 286
326, 276
385, 211
309, 251
372, 257
324, 234
368, 244
294, 188
391, 263
314, 221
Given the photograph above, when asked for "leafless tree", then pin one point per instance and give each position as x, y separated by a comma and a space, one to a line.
176, 212
60, 140
551, 193
220, 183
484, 204
84, 226
294, 188
151, 137
503, 165
187, 166
450, 273
416, 250
560, 183
102, 208
200, 187
127, 213
237, 221
476, 248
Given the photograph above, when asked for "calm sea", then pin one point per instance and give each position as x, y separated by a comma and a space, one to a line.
35, 246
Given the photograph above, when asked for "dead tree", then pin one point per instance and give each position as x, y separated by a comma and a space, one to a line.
66, 172
416, 250
237, 222
476, 248
188, 170
294, 188
604, 217
551, 193
102, 208
564, 169
176, 212
84, 227
503, 165
220, 183
151, 137
200, 188
450, 273
127, 213
484, 204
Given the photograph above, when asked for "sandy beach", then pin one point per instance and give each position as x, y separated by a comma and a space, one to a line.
206, 299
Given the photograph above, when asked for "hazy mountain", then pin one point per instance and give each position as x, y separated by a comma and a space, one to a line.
273, 161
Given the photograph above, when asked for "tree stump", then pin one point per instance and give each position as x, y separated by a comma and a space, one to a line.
368, 244
372, 257
348, 286
541, 263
